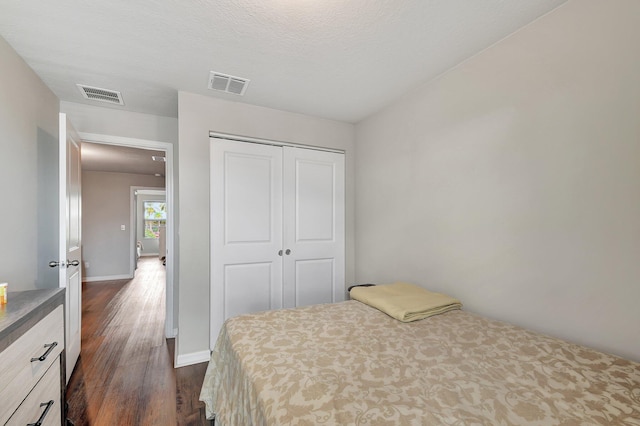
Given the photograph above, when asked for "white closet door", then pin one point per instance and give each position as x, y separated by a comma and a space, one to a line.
246, 230
314, 227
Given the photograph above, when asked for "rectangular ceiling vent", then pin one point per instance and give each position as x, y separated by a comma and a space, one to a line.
102, 95
227, 83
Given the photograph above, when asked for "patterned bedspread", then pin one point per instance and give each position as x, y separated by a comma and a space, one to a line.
349, 364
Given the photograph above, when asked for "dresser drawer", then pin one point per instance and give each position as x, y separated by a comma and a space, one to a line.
45, 394
18, 372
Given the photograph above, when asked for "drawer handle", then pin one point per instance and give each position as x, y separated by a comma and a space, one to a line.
46, 354
44, 413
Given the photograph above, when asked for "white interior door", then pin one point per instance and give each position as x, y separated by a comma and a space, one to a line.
314, 227
70, 239
246, 230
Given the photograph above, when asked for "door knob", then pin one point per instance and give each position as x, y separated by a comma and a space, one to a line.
55, 264
279, 252
72, 263
287, 252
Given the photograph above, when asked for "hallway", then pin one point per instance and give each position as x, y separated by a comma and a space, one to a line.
125, 373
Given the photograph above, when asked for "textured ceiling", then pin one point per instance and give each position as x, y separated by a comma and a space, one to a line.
336, 59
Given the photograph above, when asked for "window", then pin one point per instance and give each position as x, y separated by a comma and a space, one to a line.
155, 216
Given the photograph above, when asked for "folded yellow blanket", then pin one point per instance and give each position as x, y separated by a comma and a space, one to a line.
405, 302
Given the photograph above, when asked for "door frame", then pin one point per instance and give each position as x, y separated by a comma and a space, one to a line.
170, 327
238, 138
134, 191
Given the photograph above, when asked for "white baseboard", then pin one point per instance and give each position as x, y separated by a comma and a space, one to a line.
107, 278
192, 358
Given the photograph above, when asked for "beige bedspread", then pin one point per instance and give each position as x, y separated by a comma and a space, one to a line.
350, 364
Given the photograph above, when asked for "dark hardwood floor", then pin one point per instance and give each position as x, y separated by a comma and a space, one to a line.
125, 373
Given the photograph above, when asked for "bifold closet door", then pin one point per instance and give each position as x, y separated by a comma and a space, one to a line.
314, 227
246, 230
277, 228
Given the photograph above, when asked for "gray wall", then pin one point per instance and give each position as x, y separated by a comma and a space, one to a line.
28, 143
197, 116
117, 122
106, 205
513, 181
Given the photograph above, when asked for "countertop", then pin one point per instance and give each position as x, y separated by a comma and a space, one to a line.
24, 309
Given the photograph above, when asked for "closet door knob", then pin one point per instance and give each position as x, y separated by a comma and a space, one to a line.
288, 252
279, 252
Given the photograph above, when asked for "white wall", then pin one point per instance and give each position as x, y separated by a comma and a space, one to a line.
197, 116
28, 142
513, 181
106, 205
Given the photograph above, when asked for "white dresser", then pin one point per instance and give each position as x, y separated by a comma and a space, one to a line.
31, 358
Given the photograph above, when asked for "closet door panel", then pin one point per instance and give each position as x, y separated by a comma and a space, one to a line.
313, 227
315, 201
314, 281
246, 230
248, 199
247, 288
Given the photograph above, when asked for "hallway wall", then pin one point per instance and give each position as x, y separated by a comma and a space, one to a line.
106, 199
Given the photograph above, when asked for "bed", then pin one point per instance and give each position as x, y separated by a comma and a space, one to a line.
350, 364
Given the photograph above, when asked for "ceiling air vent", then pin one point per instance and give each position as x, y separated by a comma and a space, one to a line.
102, 95
227, 83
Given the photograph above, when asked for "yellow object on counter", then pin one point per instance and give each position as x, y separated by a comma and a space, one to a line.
3, 293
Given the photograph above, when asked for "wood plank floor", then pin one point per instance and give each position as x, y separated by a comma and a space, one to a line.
125, 373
